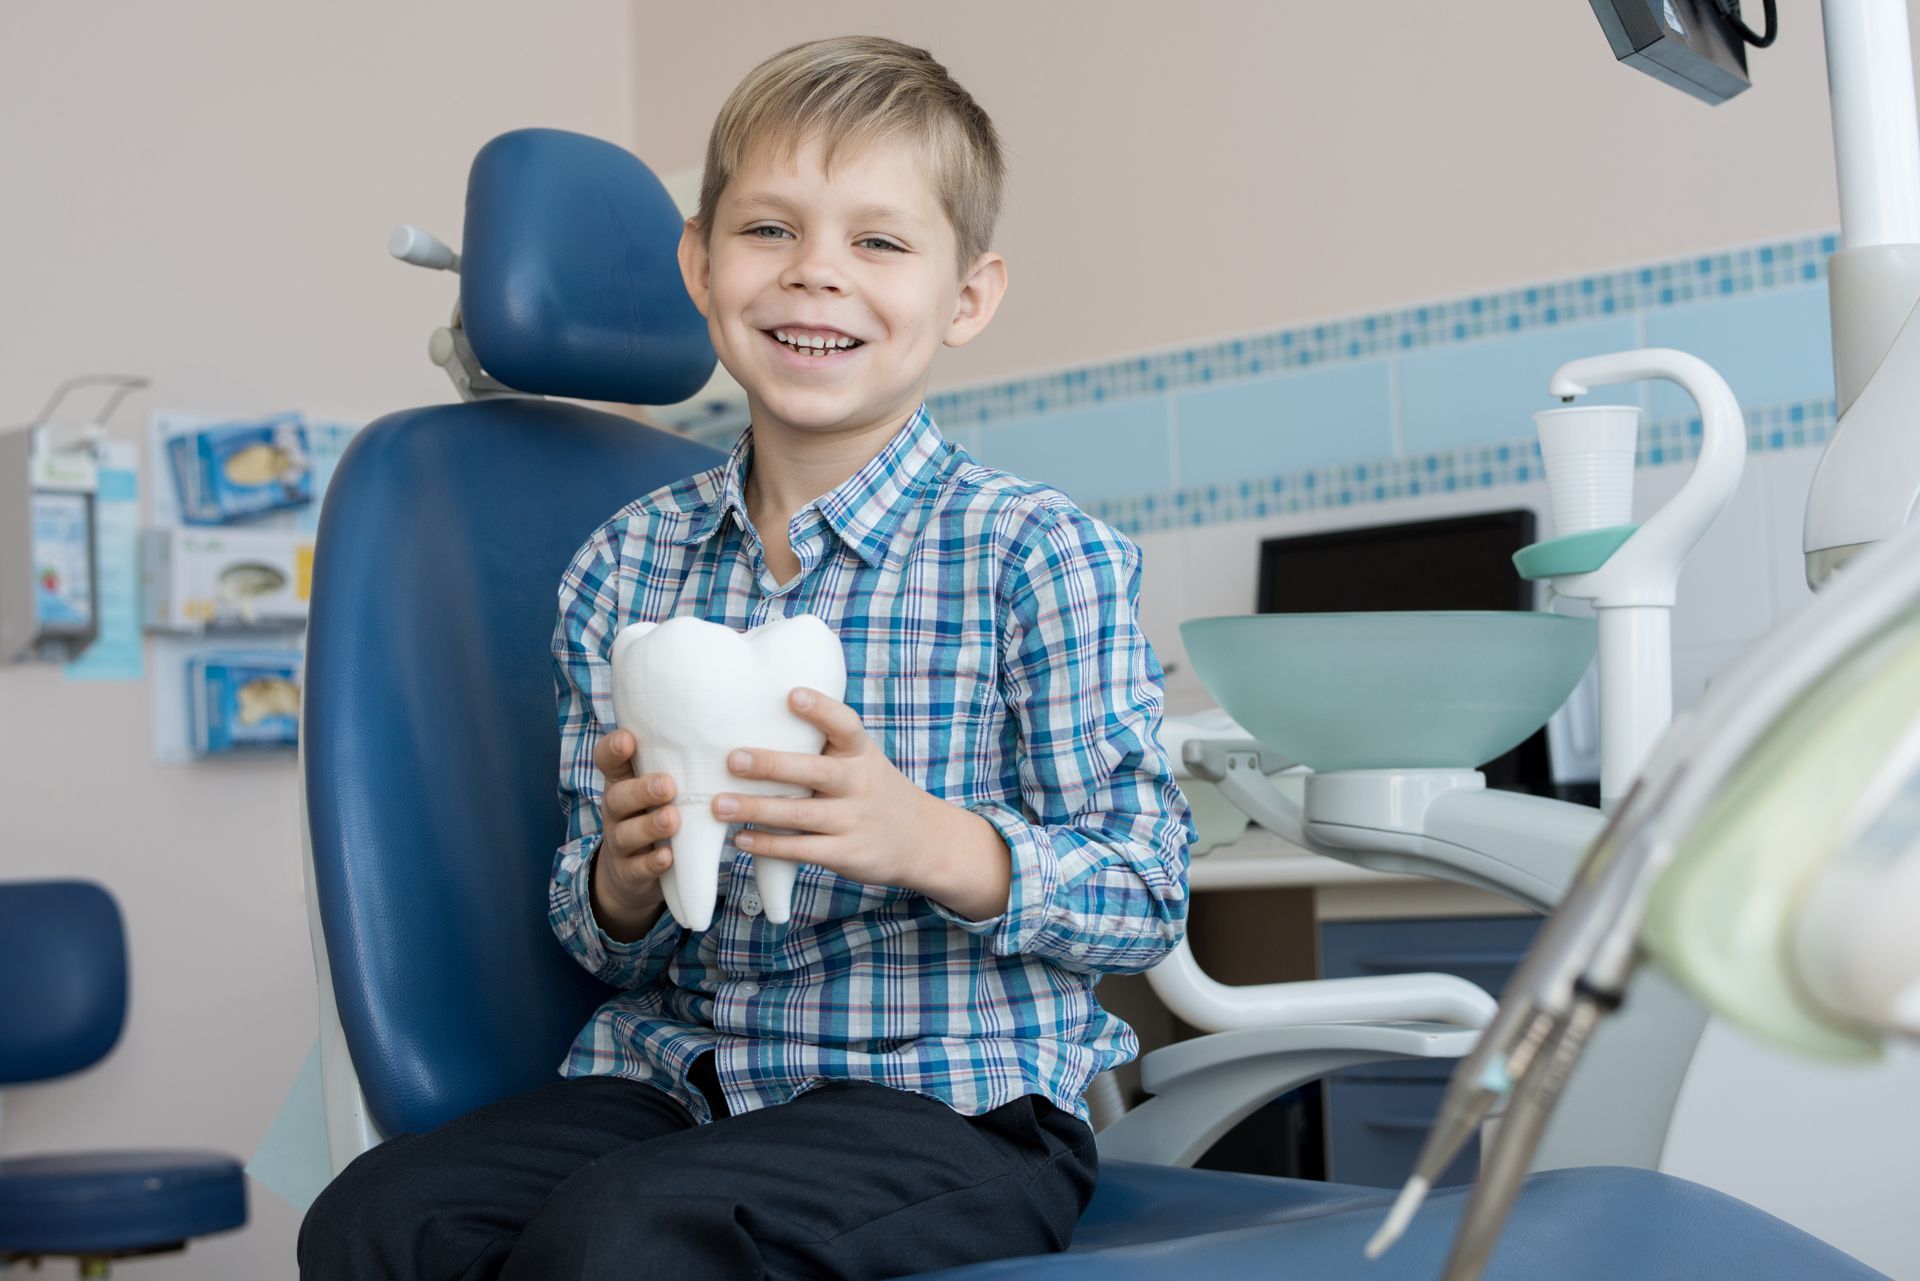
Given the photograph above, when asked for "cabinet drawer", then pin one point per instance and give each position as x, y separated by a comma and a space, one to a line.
1378, 1114
1375, 1129
1481, 949
1484, 950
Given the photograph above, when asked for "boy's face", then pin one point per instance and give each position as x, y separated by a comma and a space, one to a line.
868, 254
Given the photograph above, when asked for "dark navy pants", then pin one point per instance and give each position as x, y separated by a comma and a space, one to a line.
613, 1180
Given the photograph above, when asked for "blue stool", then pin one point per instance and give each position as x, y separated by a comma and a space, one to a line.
63, 1001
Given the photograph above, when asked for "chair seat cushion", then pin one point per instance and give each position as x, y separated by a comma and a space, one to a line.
1135, 1202
83, 1202
1150, 1223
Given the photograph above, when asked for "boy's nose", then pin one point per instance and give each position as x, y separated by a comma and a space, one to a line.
815, 270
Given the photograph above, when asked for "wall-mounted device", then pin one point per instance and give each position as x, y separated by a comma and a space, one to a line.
49, 600
1697, 46
49, 589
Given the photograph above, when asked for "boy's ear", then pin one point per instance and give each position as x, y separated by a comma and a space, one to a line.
980, 295
695, 264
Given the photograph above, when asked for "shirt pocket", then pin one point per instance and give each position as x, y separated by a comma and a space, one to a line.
928, 691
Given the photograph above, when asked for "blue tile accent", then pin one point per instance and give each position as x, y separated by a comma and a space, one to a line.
1101, 452
1769, 347
1663, 442
1470, 372
1312, 419
1472, 392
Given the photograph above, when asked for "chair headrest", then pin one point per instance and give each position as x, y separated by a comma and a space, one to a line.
569, 273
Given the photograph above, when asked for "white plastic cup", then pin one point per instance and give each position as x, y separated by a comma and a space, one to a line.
1588, 451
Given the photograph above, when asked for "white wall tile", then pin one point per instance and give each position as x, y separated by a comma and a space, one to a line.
1695, 667
1725, 594
1787, 477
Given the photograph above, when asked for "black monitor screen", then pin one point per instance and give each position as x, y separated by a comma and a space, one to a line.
1464, 562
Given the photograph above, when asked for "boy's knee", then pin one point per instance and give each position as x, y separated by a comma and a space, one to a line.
600, 1220
347, 1226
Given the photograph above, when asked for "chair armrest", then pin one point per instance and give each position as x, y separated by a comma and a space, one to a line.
1213, 1006
1204, 1087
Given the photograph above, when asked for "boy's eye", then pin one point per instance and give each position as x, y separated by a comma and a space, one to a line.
875, 242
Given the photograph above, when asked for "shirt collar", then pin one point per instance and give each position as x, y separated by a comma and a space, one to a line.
865, 509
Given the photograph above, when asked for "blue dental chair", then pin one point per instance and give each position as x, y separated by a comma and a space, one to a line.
430, 757
63, 1002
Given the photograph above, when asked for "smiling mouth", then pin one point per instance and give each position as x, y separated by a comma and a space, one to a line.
830, 351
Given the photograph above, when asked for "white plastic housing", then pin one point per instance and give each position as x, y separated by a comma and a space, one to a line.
1633, 592
1857, 950
1854, 944
691, 692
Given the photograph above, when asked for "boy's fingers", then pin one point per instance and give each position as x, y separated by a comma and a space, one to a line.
815, 773
637, 795
638, 833
798, 846
841, 723
654, 860
799, 814
613, 755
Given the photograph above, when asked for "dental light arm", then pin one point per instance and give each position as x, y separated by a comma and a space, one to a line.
1868, 482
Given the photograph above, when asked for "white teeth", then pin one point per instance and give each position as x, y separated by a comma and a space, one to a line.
813, 342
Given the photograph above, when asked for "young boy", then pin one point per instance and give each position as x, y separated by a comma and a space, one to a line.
892, 1082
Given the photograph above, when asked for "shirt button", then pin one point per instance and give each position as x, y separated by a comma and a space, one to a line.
750, 903
748, 989
1078, 949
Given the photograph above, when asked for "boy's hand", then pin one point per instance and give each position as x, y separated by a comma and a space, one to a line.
866, 820
635, 816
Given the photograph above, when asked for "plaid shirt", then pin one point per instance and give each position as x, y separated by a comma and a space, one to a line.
993, 653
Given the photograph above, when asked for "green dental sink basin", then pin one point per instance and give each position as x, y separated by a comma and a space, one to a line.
1390, 690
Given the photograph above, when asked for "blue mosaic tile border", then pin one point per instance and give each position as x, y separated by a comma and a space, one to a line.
1724, 274
1770, 428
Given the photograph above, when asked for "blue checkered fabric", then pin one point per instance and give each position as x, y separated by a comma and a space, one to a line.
994, 653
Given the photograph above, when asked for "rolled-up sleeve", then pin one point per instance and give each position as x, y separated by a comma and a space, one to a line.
583, 684
1101, 832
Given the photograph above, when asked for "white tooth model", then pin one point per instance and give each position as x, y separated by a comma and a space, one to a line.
691, 692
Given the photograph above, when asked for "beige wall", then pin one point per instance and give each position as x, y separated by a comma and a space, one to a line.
200, 192
1206, 169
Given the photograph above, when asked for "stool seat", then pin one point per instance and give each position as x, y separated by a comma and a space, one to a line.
99, 1202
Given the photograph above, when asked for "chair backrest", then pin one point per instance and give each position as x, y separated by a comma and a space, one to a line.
430, 739
63, 978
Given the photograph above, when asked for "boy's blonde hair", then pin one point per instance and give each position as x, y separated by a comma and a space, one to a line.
851, 91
